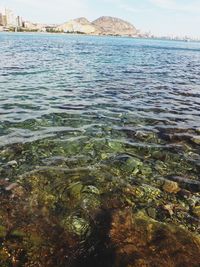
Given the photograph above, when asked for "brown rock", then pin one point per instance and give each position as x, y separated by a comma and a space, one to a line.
171, 187
196, 211
141, 241
169, 209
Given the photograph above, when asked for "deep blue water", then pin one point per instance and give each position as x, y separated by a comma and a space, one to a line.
91, 123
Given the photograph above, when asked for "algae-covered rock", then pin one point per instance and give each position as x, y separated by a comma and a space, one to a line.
161, 167
2, 231
54, 210
151, 212
115, 146
76, 225
196, 140
143, 194
133, 165
90, 202
159, 155
196, 211
75, 190
104, 156
90, 189
146, 170
141, 241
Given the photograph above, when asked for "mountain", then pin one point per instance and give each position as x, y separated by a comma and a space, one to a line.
115, 26
101, 26
79, 25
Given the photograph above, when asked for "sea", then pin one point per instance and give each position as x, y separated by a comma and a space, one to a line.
99, 151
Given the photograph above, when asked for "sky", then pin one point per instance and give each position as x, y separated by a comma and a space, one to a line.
161, 17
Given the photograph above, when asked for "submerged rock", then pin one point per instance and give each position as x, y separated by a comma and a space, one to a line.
142, 195
140, 241
12, 163
186, 183
151, 212
90, 189
11, 186
196, 140
58, 210
2, 231
196, 211
76, 225
171, 187
132, 165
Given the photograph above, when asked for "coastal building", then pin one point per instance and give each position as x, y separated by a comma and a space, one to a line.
10, 17
19, 21
8, 20
4, 20
39, 27
1, 19
30, 25
2, 12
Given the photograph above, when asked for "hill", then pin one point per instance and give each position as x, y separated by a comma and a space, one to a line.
79, 25
101, 26
115, 26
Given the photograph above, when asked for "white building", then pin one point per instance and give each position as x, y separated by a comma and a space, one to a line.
2, 10
3, 21
11, 18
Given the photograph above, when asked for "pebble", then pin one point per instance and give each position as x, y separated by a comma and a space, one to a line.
12, 163
169, 209
186, 183
151, 212
171, 187
196, 211
184, 193
11, 186
196, 140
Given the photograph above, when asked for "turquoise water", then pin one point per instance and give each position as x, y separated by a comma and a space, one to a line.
89, 124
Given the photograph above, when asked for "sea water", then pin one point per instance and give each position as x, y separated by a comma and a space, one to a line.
99, 151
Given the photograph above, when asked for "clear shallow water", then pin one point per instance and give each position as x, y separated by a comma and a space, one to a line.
91, 124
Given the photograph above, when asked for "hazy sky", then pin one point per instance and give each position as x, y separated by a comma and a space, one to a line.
178, 17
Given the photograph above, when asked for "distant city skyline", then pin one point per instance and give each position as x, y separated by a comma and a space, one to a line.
161, 17
9, 18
